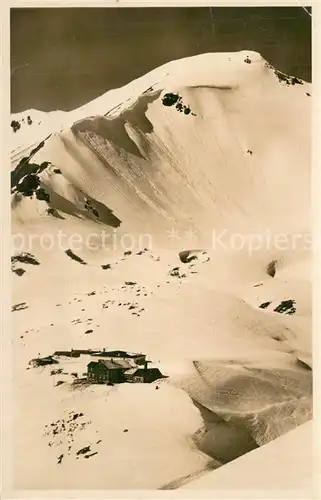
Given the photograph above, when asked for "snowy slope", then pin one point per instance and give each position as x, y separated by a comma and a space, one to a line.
215, 169
216, 142
259, 472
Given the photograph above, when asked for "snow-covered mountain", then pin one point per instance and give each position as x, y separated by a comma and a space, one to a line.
216, 144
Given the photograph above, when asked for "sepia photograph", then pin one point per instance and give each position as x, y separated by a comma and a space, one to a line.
161, 248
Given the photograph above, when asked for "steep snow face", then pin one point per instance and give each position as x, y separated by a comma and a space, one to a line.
213, 141
217, 144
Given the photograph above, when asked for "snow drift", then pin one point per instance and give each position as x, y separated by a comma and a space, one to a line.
210, 144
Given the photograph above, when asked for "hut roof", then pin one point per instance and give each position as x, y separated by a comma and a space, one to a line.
110, 364
117, 353
142, 371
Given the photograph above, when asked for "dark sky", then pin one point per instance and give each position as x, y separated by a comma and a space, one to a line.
63, 57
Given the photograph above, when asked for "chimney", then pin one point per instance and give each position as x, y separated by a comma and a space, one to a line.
146, 365
104, 350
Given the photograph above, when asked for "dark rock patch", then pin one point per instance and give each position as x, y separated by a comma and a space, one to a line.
288, 80
75, 257
25, 169
176, 272
106, 266
19, 271
77, 415
83, 451
56, 372
90, 208
25, 258
186, 256
141, 252
264, 305
19, 307
15, 125
25, 180
286, 307
42, 195
171, 99
28, 185
271, 268
247, 60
